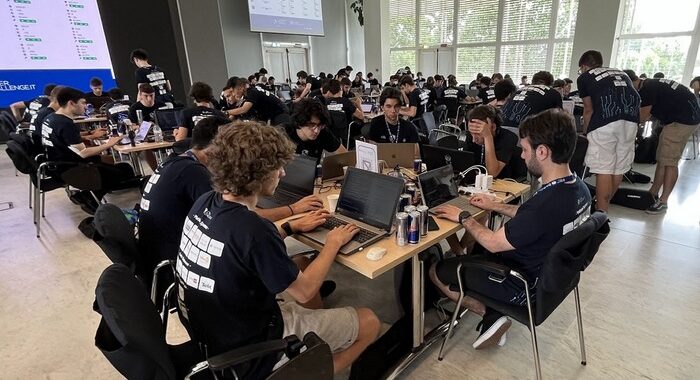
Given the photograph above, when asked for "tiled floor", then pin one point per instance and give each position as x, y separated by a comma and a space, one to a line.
639, 299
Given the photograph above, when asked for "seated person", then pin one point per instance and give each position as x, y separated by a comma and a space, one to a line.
502, 90
96, 96
372, 80
452, 98
474, 85
146, 104
416, 100
308, 83
489, 141
389, 127
346, 85
393, 81
548, 140
35, 126
486, 92
228, 294
530, 100
266, 106
203, 97
336, 102
26, 111
307, 130
117, 109
63, 142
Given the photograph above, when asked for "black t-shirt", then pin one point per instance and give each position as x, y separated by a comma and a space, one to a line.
486, 94
473, 85
504, 142
148, 112
529, 101
326, 140
670, 101
33, 107
97, 101
192, 115
612, 94
118, 110
166, 200
231, 264
265, 104
543, 219
373, 82
315, 82
381, 132
419, 98
316, 94
452, 97
35, 126
343, 105
154, 76
58, 133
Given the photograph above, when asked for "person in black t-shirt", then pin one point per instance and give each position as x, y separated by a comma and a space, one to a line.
562, 204
474, 85
346, 85
530, 100
453, 97
491, 143
372, 80
117, 109
265, 105
35, 126
677, 109
147, 104
389, 127
416, 99
203, 96
502, 91
96, 96
153, 75
308, 130
334, 101
359, 81
309, 83
26, 111
610, 117
486, 92
232, 264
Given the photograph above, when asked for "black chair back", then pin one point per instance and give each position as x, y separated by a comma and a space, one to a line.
115, 236
339, 125
577, 160
562, 267
83, 177
447, 141
20, 158
316, 363
130, 334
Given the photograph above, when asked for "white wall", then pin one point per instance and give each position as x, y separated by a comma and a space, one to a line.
377, 38
595, 30
356, 40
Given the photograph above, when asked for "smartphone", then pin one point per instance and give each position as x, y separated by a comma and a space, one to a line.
432, 224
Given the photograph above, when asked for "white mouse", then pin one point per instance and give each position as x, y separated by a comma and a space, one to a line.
376, 253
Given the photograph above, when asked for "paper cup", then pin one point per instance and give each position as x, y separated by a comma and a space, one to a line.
332, 202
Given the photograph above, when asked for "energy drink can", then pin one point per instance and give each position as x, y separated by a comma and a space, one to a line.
423, 210
404, 200
410, 189
319, 175
414, 227
417, 165
401, 229
409, 209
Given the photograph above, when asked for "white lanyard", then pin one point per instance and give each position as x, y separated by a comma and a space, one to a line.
392, 138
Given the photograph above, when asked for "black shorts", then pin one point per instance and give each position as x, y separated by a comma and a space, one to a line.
511, 290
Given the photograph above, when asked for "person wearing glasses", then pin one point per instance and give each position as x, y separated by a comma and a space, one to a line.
308, 131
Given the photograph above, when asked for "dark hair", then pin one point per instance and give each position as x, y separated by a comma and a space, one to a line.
696, 79
479, 76
322, 75
630, 73
345, 81
507, 76
406, 80
486, 81
201, 92
348, 68
394, 77
302, 74
419, 74
205, 130
369, 74
146, 88
485, 111
115, 93
342, 73
329, 76
658, 75
390, 93
68, 94
270, 79
54, 92
95, 81
504, 89
308, 107
333, 86
262, 71
523, 77
452, 82
543, 77
558, 83
553, 128
496, 75
235, 82
138, 54
252, 77
642, 75
48, 88
230, 82
439, 77
591, 58
567, 80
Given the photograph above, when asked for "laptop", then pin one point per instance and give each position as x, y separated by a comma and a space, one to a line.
472, 93
144, 128
332, 164
367, 199
296, 184
366, 107
401, 154
168, 119
438, 187
435, 157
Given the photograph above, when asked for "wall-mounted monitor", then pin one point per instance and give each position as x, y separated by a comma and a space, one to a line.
303, 17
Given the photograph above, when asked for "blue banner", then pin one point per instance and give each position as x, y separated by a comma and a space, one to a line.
16, 85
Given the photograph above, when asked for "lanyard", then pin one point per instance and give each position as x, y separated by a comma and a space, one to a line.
392, 138
556, 182
191, 155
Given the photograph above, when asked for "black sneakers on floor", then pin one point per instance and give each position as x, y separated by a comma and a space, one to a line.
493, 328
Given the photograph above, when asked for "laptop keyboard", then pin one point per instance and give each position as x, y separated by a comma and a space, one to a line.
360, 237
285, 198
460, 202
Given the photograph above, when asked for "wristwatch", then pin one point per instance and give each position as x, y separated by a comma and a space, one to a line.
464, 215
287, 228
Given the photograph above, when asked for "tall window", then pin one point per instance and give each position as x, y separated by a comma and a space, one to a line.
653, 38
516, 37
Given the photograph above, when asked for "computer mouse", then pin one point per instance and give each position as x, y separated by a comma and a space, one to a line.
376, 253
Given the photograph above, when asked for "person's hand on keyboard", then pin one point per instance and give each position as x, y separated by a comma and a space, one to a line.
308, 203
483, 201
340, 236
310, 221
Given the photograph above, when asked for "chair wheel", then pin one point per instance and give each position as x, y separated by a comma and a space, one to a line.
440, 359
583, 363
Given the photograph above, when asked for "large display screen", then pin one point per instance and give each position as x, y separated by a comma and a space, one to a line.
286, 16
50, 41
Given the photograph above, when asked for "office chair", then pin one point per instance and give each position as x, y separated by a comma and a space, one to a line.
339, 125
132, 338
577, 164
560, 275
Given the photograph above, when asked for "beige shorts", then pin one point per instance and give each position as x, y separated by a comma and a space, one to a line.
672, 141
337, 327
611, 148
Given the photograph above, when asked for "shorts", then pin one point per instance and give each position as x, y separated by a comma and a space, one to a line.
611, 148
672, 141
337, 327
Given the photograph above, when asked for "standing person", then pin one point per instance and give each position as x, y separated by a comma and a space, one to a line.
416, 100
610, 117
389, 127
203, 97
308, 83
96, 96
452, 98
675, 106
486, 92
26, 111
233, 302
150, 74
266, 106
531, 100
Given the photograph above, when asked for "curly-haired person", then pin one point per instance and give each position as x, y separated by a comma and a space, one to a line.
233, 263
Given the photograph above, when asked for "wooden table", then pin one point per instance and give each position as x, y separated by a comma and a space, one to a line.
91, 120
133, 152
397, 255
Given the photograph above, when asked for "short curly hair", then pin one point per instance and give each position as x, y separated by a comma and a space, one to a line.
244, 155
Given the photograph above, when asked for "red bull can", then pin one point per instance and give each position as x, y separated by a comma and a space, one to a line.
417, 165
414, 227
404, 201
401, 229
423, 210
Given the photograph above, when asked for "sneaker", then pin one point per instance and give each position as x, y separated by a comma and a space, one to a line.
502, 342
657, 208
327, 288
493, 328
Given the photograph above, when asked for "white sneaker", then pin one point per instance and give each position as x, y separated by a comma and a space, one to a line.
492, 332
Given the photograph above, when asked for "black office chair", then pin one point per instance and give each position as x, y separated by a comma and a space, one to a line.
182, 146
339, 125
559, 275
577, 164
447, 141
132, 337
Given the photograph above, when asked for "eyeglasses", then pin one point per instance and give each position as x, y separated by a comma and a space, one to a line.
315, 126
335, 186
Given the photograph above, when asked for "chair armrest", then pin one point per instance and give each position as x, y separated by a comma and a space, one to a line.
243, 354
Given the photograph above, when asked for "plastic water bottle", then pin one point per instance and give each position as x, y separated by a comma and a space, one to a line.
157, 134
89, 110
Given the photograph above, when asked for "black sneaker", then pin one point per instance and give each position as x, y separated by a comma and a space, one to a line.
492, 327
657, 208
327, 288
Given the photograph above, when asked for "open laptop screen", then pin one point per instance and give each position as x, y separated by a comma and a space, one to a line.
438, 186
299, 176
169, 119
370, 197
